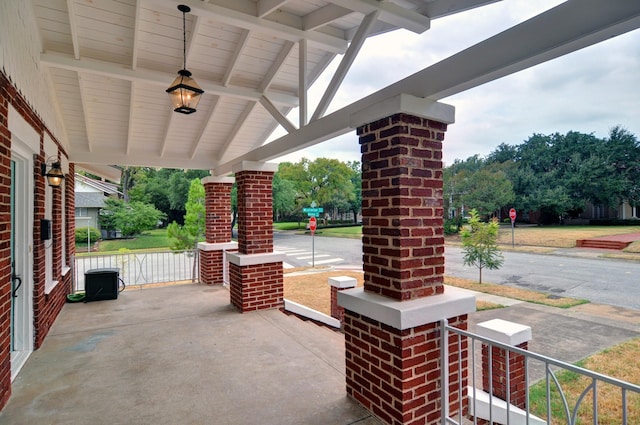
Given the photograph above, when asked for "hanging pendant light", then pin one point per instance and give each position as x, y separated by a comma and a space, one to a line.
184, 91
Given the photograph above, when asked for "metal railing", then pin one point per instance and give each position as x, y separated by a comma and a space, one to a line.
140, 268
538, 368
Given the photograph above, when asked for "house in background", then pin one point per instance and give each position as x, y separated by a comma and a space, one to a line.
90, 197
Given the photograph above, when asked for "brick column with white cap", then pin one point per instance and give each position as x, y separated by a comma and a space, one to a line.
255, 271
494, 370
217, 229
392, 325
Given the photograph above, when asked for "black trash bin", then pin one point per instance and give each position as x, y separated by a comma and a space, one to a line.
101, 284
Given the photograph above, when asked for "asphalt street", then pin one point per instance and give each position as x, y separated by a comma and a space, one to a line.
605, 281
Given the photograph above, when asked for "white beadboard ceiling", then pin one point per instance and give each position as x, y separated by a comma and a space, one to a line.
110, 62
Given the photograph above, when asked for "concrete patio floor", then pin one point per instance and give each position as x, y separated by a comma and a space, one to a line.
182, 355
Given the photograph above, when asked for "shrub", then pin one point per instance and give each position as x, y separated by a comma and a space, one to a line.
81, 234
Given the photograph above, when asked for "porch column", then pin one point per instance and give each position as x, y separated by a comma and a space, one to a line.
392, 332
217, 229
255, 272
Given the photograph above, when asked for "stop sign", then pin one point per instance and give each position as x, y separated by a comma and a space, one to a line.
312, 224
512, 214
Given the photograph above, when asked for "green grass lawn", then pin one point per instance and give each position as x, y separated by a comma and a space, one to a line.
153, 239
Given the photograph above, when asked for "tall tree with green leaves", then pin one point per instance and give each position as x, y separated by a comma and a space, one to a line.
187, 236
479, 244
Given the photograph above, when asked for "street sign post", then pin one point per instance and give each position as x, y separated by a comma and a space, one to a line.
312, 226
512, 216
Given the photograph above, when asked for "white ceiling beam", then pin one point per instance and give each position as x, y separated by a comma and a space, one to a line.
200, 162
323, 16
163, 79
73, 27
165, 140
566, 28
130, 122
284, 122
136, 37
440, 8
390, 13
191, 43
253, 23
233, 62
302, 83
267, 6
345, 64
85, 111
275, 66
236, 129
205, 127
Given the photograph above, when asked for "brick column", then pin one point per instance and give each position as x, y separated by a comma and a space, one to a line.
494, 372
392, 333
255, 272
217, 229
339, 283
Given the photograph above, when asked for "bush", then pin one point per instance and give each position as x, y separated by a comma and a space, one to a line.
81, 234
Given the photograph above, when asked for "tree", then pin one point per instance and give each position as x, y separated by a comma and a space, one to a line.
487, 190
188, 236
284, 194
131, 219
479, 244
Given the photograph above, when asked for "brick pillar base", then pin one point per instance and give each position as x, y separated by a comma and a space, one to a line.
212, 261
494, 368
255, 282
339, 283
393, 349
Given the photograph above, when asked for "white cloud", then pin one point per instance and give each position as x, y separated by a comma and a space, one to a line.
589, 91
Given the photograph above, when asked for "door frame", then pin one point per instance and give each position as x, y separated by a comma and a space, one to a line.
23, 201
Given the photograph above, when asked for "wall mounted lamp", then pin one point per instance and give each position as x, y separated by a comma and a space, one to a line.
184, 92
55, 174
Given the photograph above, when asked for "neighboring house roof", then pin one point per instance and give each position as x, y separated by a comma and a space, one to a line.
89, 200
105, 187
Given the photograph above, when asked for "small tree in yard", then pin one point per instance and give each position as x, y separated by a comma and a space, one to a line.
479, 244
187, 236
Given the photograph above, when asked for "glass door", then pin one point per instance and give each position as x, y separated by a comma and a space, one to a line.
21, 296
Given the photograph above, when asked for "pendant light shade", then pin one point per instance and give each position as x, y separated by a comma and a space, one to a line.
184, 91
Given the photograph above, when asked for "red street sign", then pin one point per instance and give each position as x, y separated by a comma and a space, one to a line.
512, 214
312, 224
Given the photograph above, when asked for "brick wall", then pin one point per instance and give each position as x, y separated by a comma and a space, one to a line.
46, 307
402, 206
386, 367
256, 287
5, 235
255, 212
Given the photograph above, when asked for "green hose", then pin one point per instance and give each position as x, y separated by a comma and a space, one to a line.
75, 298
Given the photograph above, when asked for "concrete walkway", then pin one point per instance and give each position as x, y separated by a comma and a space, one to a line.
182, 355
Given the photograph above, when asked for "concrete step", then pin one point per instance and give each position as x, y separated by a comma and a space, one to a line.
320, 341
601, 244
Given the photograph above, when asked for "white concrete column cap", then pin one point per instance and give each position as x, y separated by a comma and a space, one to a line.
220, 246
255, 166
242, 260
218, 179
343, 282
504, 331
408, 314
404, 103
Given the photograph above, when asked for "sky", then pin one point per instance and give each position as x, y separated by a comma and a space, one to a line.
590, 91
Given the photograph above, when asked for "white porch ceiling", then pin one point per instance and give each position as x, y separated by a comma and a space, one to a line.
110, 62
